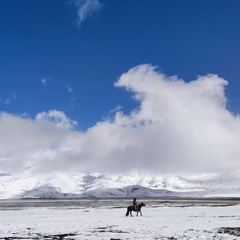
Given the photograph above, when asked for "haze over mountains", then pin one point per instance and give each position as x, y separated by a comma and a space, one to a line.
88, 185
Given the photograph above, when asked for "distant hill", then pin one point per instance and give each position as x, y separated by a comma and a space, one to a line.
85, 185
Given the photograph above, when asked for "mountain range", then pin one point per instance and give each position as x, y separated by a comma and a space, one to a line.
97, 185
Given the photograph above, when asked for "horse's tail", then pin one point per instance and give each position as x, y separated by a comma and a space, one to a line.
127, 213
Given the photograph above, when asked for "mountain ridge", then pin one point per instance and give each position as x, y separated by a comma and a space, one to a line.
97, 185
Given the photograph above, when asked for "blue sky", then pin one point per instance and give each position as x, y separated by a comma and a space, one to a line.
116, 86
79, 62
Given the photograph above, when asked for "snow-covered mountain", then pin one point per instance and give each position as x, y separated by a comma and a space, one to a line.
103, 185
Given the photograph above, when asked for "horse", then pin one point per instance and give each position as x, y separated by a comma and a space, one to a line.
138, 209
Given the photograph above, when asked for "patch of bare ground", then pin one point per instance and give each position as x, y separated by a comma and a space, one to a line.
67, 236
235, 231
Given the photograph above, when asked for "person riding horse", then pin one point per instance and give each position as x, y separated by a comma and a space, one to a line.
135, 208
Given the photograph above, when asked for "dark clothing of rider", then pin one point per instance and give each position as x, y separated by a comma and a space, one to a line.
135, 203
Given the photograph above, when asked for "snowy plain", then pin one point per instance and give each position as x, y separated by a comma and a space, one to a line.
106, 220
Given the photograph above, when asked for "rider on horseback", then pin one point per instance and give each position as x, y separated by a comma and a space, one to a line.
135, 204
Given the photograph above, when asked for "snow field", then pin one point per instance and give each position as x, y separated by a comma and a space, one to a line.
111, 223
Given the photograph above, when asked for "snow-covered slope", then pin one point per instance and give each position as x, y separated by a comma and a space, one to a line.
131, 185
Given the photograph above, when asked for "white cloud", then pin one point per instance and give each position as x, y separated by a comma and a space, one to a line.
9, 100
86, 8
70, 90
44, 83
59, 119
73, 98
178, 127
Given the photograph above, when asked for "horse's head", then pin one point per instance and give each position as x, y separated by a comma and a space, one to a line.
142, 204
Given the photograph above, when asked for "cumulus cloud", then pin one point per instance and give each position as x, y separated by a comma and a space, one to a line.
59, 119
178, 127
86, 8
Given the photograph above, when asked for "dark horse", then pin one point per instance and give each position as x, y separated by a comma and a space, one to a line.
131, 208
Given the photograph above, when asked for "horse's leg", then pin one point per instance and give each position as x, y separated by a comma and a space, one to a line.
137, 213
131, 213
140, 212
